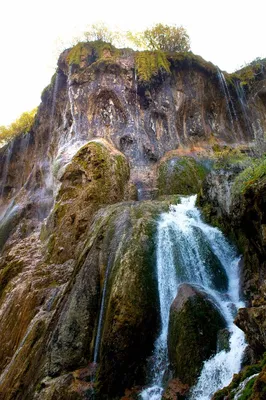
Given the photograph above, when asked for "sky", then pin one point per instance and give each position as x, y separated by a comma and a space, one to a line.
228, 33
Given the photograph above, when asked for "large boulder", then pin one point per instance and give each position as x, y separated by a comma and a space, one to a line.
96, 176
193, 329
180, 175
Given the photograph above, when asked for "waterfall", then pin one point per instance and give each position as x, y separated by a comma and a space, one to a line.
229, 102
102, 308
185, 245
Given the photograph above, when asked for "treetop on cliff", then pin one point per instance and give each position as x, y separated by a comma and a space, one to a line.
22, 125
159, 37
166, 38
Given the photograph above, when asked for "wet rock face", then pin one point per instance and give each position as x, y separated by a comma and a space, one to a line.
193, 328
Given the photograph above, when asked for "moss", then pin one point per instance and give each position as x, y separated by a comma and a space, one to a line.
229, 391
192, 61
8, 272
91, 52
225, 157
249, 74
150, 64
182, 175
251, 176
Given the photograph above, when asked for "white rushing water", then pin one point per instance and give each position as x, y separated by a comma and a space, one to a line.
188, 250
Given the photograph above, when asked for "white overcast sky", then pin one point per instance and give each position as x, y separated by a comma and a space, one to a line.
228, 33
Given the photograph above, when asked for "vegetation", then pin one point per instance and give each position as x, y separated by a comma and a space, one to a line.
249, 392
250, 176
181, 175
100, 31
149, 64
249, 72
22, 125
166, 38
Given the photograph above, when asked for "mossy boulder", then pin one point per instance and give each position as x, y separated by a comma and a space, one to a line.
97, 175
193, 329
181, 175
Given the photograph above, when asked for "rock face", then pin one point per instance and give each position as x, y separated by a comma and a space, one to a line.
192, 336
78, 294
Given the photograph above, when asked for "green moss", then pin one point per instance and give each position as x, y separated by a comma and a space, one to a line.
251, 176
93, 50
226, 156
247, 75
75, 54
229, 391
150, 64
183, 175
8, 272
247, 392
192, 60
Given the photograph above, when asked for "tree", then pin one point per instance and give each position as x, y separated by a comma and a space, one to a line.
166, 38
22, 125
100, 31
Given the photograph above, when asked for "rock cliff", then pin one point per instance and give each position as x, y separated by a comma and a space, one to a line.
78, 294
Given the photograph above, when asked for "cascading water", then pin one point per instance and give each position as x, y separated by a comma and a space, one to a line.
100, 322
185, 248
229, 102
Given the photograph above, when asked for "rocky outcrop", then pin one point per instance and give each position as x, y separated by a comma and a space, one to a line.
192, 336
97, 175
181, 175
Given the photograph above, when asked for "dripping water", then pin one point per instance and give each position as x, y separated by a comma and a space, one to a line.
183, 240
229, 102
4, 176
244, 108
102, 308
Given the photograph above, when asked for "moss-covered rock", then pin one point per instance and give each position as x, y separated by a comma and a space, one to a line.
97, 175
249, 384
181, 175
192, 336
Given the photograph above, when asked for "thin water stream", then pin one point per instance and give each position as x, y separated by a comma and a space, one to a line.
186, 247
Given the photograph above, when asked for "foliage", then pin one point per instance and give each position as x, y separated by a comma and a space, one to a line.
250, 176
149, 64
167, 38
225, 157
250, 71
22, 125
100, 31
